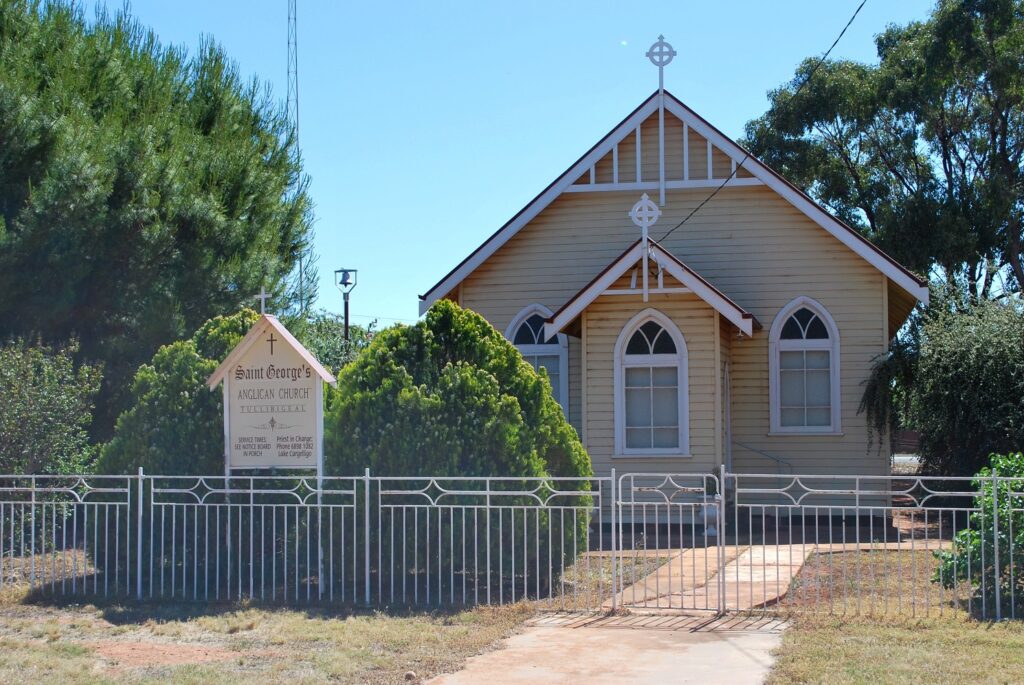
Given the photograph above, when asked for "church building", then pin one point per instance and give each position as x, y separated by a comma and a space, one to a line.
736, 336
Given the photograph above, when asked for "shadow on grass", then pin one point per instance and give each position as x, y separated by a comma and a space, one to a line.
120, 609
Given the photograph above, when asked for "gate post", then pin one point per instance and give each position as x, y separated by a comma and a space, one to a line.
138, 536
366, 538
996, 571
32, 508
615, 532
720, 541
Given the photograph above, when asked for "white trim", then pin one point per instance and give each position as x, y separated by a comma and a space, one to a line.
639, 164
227, 424
790, 433
563, 349
652, 291
679, 359
264, 323
583, 377
537, 205
775, 346
686, 151
661, 147
670, 185
799, 200
885, 316
727, 146
698, 286
717, 328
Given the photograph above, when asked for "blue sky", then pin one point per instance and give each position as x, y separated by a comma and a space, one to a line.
426, 125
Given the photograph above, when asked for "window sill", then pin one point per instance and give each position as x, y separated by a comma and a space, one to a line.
805, 434
656, 456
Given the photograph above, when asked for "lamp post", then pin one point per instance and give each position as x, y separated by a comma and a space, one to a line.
345, 279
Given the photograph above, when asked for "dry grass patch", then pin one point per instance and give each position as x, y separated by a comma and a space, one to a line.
142, 643
903, 651
907, 629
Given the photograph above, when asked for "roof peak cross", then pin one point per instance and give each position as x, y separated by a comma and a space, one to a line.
661, 55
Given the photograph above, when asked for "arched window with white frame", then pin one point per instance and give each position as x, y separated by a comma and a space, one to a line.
651, 387
804, 369
526, 332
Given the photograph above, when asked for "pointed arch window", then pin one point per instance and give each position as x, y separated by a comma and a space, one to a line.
551, 354
651, 387
804, 370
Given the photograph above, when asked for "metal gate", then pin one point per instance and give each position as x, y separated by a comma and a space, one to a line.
668, 540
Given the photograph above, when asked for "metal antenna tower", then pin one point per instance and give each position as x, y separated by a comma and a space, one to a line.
293, 71
293, 115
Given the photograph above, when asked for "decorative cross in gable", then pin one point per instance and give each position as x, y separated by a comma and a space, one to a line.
644, 214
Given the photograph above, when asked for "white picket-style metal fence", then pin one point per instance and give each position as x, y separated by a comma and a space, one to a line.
690, 542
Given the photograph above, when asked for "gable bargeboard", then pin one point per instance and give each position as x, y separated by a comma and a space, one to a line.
751, 243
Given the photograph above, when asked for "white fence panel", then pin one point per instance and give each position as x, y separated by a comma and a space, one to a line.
67, 534
839, 544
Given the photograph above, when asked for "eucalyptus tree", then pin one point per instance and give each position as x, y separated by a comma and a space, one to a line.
142, 190
921, 152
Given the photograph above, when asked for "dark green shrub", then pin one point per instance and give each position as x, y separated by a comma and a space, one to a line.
448, 396
46, 404
957, 376
175, 424
973, 556
968, 387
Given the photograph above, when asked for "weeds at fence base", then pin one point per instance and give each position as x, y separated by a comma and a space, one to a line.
876, 583
585, 585
934, 640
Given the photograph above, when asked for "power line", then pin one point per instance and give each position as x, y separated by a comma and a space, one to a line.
383, 318
736, 168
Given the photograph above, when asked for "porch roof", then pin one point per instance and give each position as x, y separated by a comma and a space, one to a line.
694, 282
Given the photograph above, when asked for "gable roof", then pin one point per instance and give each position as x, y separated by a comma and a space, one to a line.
263, 324
847, 235
719, 301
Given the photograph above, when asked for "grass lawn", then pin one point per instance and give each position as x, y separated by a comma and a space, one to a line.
187, 643
942, 644
47, 640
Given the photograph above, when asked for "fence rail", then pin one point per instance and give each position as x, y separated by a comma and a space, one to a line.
693, 542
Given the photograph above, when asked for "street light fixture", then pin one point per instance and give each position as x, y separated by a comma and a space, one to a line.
345, 279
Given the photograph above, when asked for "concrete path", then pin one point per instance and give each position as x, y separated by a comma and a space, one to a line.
755, 577
613, 650
686, 574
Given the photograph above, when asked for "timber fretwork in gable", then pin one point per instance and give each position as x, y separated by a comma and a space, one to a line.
691, 161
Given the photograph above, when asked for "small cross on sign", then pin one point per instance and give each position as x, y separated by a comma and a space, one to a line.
262, 297
272, 340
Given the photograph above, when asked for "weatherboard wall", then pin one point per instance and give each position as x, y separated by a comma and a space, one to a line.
751, 244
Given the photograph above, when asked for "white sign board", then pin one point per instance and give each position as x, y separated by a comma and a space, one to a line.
273, 401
